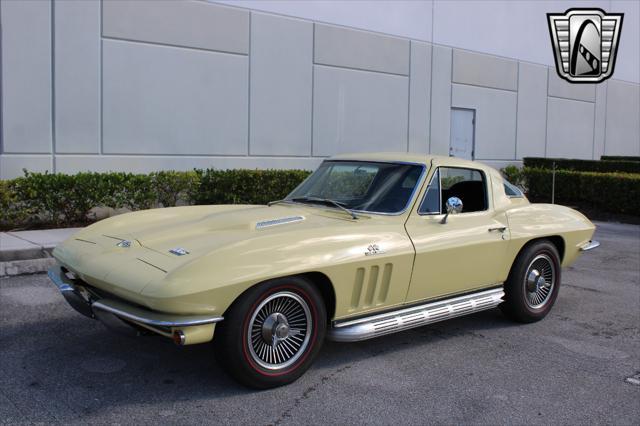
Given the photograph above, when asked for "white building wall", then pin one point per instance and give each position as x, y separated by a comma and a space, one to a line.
147, 85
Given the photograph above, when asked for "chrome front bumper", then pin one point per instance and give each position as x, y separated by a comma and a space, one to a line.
119, 315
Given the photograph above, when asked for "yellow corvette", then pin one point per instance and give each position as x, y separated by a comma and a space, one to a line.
368, 245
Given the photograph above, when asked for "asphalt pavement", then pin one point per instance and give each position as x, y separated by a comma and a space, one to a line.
571, 368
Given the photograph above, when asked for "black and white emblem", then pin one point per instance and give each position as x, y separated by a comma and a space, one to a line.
585, 42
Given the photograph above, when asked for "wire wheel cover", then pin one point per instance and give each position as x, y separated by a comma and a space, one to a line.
539, 281
279, 330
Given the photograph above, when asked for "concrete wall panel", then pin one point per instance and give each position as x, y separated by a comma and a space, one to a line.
569, 128
355, 111
563, 89
601, 120
26, 76
484, 70
166, 100
345, 47
495, 120
532, 110
623, 124
628, 57
11, 165
77, 76
281, 85
187, 23
405, 18
440, 101
419, 97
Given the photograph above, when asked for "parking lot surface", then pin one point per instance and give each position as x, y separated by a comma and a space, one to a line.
571, 368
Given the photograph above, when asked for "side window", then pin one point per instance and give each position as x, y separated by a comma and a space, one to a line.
467, 184
431, 202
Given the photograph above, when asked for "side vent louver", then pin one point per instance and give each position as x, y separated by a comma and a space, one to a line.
371, 287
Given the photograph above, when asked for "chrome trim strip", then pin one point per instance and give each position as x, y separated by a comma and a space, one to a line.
280, 221
417, 316
155, 319
590, 245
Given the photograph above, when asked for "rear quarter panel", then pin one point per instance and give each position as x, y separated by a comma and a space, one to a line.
534, 221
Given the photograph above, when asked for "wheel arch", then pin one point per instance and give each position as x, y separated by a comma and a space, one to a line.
325, 286
557, 241
319, 280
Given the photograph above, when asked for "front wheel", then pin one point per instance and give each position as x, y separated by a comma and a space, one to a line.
533, 283
272, 333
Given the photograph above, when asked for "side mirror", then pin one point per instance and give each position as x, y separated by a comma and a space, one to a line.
454, 206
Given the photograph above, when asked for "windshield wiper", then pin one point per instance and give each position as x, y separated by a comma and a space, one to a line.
284, 200
326, 201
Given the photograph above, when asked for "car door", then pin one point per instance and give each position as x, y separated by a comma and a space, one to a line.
465, 252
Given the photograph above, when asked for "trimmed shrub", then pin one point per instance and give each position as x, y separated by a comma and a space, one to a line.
619, 158
12, 209
583, 165
608, 192
54, 200
175, 188
246, 186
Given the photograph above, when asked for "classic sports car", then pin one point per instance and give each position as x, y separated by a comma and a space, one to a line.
368, 245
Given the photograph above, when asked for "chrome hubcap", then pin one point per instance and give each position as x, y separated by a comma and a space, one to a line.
539, 281
279, 330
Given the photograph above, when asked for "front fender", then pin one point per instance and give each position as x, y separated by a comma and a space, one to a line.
213, 281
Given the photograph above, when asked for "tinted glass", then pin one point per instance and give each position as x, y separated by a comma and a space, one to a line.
359, 185
431, 202
511, 190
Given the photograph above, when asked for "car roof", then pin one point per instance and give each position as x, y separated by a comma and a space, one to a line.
408, 157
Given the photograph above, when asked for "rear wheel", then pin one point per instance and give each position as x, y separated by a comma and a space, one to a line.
533, 283
272, 333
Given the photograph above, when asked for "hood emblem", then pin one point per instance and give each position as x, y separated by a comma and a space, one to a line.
279, 221
178, 251
124, 244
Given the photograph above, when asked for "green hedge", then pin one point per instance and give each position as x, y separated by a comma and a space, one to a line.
44, 199
246, 186
619, 158
583, 165
608, 192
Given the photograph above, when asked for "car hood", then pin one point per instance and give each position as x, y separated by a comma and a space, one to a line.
168, 238
204, 233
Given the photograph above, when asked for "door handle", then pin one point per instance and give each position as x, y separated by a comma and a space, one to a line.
498, 228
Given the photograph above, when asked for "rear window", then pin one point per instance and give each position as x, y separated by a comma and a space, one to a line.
511, 190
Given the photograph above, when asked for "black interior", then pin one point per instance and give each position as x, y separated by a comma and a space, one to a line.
472, 194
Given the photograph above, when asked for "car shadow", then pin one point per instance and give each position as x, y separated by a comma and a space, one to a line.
99, 370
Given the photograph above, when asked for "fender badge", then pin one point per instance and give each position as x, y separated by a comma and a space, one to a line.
373, 249
124, 244
178, 251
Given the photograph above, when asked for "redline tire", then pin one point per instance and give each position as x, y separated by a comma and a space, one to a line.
533, 283
271, 335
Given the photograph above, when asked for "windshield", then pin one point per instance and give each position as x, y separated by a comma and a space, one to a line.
361, 185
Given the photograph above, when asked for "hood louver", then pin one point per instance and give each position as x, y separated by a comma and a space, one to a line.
279, 221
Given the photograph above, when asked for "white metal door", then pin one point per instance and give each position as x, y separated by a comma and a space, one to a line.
462, 133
